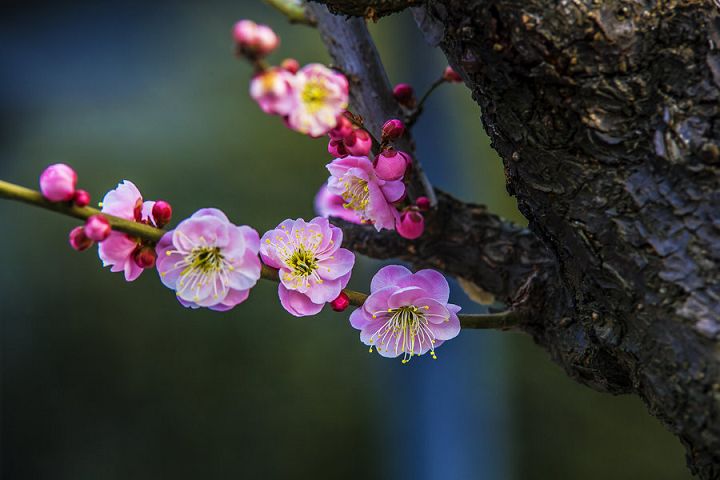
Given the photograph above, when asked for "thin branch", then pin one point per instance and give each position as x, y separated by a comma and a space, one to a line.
294, 10
353, 52
10, 191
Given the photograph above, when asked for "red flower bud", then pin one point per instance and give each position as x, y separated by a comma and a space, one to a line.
404, 94
291, 65
337, 149
57, 182
393, 129
162, 213
78, 240
450, 75
343, 128
423, 203
82, 198
144, 257
341, 302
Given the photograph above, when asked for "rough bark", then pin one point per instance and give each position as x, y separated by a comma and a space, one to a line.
605, 116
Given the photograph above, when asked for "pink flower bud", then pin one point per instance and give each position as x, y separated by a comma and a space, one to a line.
343, 128
244, 32
358, 143
97, 228
265, 41
337, 149
161, 213
390, 165
82, 198
78, 240
144, 257
291, 65
423, 203
57, 182
411, 224
450, 75
393, 129
404, 94
341, 302
254, 40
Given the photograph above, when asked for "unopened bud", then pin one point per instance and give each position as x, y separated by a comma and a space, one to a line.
78, 240
393, 129
343, 128
291, 65
411, 224
341, 302
358, 143
337, 149
423, 203
404, 94
162, 213
81, 198
57, 182
144, 257
97, 228
390, 165
450, 75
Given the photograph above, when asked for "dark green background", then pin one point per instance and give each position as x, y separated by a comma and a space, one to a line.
104, 379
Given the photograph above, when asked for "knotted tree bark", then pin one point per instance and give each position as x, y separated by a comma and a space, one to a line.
607, 117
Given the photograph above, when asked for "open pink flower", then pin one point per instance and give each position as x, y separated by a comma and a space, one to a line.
273, 91
331, 205
354, 179
208, 261
313, 267
321, 94
117, 251
406, 313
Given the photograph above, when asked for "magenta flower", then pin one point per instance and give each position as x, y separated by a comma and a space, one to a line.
331, 205
406, 313
321, 95
313, 267
273, 91
208, 261
118, 250
354, 179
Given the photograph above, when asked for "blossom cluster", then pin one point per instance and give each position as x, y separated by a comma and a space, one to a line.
209, 262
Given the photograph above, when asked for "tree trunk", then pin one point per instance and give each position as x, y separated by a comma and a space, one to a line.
606, 116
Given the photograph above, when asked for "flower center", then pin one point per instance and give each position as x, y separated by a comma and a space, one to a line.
204, 259
356, 194
302, 262
405, 330
314, 95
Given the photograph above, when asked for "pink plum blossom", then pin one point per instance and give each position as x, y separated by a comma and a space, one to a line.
57, 182
355, 180
117, 251
406, 313
208, 261
273, 91
313, 267
331, 205
321, 94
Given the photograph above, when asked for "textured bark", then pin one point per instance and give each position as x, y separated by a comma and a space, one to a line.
605, 116
372, 9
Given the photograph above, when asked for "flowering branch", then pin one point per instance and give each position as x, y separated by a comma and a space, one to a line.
10, 191
353, 51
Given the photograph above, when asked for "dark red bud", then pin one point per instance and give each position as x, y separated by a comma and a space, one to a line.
162, 213
341, 302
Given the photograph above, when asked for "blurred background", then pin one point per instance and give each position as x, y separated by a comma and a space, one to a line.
105, 379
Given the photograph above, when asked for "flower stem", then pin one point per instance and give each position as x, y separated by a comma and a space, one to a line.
10, 191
